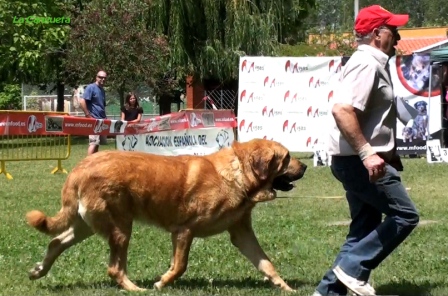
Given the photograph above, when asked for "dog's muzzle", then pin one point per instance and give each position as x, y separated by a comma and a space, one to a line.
285, 182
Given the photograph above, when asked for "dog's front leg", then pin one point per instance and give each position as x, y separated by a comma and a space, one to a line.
243, 237
181, 248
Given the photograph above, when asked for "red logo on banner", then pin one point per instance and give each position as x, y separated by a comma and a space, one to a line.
270, 113
264, 111
331, 64
308, 141
32, 124
308, 112
272, 83
266, 81
330, 96
242, 95
248, 66
100, 126
242, 123
250, 127
285, 125
294, 127
294, 68
311, 82
286, 96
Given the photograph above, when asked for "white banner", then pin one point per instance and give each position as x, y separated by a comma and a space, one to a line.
289, 99
286, 99
178, 142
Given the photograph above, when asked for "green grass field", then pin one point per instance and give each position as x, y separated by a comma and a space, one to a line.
301, 234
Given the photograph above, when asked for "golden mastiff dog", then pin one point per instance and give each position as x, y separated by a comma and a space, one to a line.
188, 196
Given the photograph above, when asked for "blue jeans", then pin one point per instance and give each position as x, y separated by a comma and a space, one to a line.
369, 240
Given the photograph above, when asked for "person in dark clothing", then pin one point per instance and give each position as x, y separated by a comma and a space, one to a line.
131, 111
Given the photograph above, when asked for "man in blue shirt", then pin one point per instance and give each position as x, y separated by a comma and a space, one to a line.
93, 103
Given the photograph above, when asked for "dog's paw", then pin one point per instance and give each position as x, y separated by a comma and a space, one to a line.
36, 272
158, 285
140, 290
289, 289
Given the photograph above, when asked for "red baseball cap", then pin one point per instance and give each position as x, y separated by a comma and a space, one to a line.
375, 16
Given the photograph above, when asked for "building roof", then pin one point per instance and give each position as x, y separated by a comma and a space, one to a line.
410, 45
413, 40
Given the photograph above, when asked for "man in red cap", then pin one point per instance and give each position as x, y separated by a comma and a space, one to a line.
364, 159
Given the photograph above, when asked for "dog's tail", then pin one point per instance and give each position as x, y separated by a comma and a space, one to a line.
63, 219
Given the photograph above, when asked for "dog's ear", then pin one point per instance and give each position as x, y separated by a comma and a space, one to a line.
261, 163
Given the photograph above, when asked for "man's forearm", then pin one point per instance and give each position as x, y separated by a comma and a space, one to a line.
348, 124
83, 105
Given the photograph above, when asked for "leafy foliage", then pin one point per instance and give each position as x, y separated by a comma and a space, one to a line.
10, 97
29, 51
115, 38
207, 37
338, 15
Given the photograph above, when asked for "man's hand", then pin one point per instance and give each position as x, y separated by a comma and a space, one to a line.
376, 167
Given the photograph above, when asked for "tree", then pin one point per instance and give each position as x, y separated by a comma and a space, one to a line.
115, 38
10, 97
31, 48
338, 15
207, 37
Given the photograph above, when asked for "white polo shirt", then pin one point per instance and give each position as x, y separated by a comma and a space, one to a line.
365, 84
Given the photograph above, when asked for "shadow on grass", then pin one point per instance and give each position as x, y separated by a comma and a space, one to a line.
405, 288
190, 284
247, 283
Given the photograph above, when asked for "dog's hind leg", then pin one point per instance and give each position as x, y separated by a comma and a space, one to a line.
78, 232
243, 237
119, 236
181, 248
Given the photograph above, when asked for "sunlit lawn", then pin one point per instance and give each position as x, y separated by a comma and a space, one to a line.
301, 234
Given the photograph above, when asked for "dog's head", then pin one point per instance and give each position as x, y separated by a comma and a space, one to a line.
117, 126
194, 120
419, 71
268, 165
407, 132
420, 106
222, 138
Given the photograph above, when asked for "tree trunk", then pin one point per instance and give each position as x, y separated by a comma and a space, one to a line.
60, 88
121, 95
165, 104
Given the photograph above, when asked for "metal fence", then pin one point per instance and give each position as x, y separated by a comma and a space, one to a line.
221, 99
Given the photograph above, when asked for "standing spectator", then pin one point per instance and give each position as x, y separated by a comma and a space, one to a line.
93, 103
364, 158
131, 111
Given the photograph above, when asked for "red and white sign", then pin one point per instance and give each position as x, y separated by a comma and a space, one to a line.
289, 100
50, 123
286, 99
